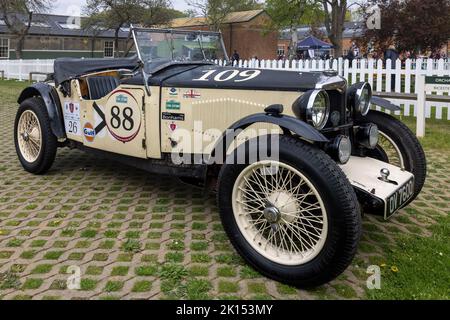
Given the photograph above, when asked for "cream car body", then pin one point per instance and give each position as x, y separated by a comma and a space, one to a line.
172, 111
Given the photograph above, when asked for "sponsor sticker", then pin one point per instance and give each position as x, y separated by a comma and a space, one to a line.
192, 94
89, 132
173, 126
173, 105
122, 99
173, 92
72, 118
173, 116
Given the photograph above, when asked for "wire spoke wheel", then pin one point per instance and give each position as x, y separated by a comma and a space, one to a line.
29, 136
296, 218
392, 151
280, 213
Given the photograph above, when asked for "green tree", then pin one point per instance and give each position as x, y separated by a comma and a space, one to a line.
93, 25
331, 13
191, 13
18, 16
117, 14
174, 14
289, 14
245, 5
335, 17
411, 25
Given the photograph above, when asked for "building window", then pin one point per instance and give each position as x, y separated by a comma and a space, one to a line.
40, 25
4, 48
281, 51
109, 49
70, 26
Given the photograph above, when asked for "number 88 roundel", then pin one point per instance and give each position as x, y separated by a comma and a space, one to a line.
122, 116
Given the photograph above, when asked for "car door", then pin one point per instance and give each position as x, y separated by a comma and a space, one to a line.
116, 123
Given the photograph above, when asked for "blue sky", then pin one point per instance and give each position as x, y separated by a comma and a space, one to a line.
67, 7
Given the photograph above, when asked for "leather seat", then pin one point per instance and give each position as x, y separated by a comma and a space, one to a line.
99, 87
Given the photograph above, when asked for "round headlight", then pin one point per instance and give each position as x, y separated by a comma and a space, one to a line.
313, 107
368, 135
360, 96
374, 136
365, 95
340, 149
345, 149
318, 110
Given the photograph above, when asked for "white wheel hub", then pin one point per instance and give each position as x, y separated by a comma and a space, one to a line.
280, 213
285, 203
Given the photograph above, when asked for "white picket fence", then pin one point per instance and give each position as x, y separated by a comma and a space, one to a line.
378, 74
20, 69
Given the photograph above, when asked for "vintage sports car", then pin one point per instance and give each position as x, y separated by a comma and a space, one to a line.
295, 158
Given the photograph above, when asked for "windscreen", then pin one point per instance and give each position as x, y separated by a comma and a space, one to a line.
168, 46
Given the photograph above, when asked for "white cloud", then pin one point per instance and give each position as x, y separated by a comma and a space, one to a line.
68, 7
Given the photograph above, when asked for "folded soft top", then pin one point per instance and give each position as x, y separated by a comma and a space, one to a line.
70, 68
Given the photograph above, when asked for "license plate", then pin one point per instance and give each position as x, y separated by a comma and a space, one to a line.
399, 198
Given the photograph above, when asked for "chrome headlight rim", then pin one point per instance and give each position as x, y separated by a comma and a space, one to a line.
355, 94
309, 109
364, 110
340, 149
374, 136
367, 136
344, 149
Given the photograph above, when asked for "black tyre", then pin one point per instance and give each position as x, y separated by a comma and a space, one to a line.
399, 146
296, 220
35, 143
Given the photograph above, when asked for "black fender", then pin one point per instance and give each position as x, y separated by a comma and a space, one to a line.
286, 123
385, 104
51, 100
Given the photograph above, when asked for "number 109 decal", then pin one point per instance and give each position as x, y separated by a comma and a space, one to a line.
123, 116
231, 74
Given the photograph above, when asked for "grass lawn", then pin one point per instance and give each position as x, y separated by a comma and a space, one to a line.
423, 267
437, 135
10, 90
423, 262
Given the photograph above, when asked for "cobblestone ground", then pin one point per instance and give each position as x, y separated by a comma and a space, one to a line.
141, 236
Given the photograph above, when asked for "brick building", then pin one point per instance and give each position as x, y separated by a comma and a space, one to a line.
244, 31
54, 36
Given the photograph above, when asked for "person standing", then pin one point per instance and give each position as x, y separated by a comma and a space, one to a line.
350, 56
235, 57
391, 53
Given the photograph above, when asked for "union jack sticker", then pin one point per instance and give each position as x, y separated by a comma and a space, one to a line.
192, 94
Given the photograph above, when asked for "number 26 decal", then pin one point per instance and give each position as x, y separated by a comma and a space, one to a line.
227, 75
73, 127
